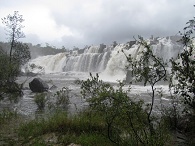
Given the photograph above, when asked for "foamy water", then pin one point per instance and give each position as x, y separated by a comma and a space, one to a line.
110, 63
27, 105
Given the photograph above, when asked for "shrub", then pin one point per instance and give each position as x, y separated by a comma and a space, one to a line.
126, 120
6, 115
8, 87
62, 97
40, 99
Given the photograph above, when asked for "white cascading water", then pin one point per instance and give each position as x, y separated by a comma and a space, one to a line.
50, 63
116, 67
109, 62
63, 68
92, 60
87, 62
167, 49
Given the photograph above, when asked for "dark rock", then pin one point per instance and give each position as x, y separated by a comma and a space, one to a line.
101, 49
53, 87
25, 88
154, 41
38, 85
176, 39
131, 43
81, 51
31, 74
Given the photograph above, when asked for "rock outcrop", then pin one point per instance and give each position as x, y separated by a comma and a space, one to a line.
38, 85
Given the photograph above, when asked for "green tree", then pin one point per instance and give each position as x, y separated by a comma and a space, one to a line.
14, 29
126, 120
183, 81
147, 68
19, 54
183, 68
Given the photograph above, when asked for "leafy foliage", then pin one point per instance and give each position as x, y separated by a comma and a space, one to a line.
40, 99
147, 68
6, 115
126, 121
8, 86
18, 55
13, 25
21, 53
183, 80
62, 97
183, 68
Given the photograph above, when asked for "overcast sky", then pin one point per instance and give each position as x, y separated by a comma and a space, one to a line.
91, 22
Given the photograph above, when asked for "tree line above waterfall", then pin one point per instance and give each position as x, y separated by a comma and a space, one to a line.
35, 50
39, 50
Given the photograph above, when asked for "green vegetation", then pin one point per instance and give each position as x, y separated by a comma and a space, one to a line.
184, 75
6, 115
149, 69
62, 98
18, 55
40, 99
112, 117
55, 102
126, 121
68, 130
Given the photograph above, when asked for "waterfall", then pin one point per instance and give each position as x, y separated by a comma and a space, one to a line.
108, 61
89, 61
165, 48
49, 64
94, 59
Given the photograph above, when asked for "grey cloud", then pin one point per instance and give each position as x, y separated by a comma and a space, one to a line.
32, 38
118, 20
71, 41
121, 20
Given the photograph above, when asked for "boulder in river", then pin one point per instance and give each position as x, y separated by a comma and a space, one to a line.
38, 85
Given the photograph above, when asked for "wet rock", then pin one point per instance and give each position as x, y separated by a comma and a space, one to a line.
31, 74
28, 74
131, 43
38, 85
128, 77
25, 88
53, 87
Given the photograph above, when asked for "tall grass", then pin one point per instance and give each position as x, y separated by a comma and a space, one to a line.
67, 127
6, 115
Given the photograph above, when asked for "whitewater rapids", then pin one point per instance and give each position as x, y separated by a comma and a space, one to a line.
109, 62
